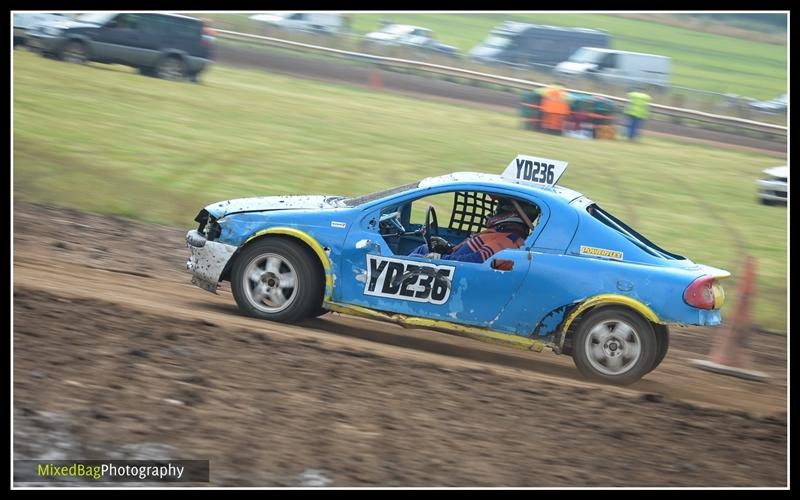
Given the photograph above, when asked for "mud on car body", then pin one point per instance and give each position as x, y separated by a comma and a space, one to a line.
583, 283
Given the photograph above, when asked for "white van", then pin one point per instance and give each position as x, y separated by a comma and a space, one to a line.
617, 66
317, 22
27, 20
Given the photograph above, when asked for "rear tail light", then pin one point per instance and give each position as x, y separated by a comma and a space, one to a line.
705, 293
208, 34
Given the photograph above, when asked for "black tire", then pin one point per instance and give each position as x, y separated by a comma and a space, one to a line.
74, 52
602, 341
320, 312
662, 337
300, 302
171, 68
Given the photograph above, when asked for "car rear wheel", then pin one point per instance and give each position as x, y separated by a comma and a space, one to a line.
278, 280
74, 52
171, 68
616, 346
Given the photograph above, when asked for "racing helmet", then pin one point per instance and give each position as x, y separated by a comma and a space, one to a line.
505, 214
503, 218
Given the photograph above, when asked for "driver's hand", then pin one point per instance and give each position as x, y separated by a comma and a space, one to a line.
440, 245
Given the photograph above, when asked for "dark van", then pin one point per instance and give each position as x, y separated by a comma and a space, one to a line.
535, 45
168, 46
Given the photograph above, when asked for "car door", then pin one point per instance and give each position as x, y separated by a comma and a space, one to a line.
151, 37
371, 275
117, 40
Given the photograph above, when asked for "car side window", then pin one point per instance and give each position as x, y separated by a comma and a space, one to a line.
125, 21
151, 24
609, 61
182, 28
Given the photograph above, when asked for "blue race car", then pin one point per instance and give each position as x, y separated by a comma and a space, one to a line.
580, 282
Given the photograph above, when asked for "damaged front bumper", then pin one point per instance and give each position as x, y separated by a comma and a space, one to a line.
207, 261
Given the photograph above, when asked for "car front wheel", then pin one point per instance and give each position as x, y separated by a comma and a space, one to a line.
74, 52
615, 346
171, 68
278, 280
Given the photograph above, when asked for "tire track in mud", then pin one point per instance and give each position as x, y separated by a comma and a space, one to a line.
735, 235
617, 183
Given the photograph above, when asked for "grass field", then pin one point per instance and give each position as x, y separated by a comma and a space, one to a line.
704, 61
104, 139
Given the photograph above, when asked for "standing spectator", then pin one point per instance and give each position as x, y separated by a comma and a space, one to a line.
555, 108
637, 112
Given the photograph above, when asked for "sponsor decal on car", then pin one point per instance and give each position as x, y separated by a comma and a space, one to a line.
341, 225
601, 252
408, 280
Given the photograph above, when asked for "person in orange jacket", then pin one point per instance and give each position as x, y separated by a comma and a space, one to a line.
555, 107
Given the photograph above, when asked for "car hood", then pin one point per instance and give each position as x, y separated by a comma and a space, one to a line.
265, 203
379, 35
782, 172
482, 51
267, 18
66, 24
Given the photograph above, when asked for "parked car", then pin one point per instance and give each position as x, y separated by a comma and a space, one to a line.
25, 21
168, 46
582, 283
412, 37
522, 44
774, 106
617, 66
314, 22
773, 185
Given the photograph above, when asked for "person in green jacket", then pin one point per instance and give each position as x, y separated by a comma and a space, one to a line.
637, 112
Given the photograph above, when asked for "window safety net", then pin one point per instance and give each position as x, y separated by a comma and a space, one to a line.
470, 211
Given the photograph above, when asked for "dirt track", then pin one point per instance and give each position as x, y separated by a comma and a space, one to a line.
117, 355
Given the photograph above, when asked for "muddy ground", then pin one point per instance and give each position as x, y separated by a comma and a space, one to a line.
116, 355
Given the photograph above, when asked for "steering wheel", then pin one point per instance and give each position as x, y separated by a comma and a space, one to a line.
431, 225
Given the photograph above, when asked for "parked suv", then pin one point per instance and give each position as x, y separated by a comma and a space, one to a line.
168, 46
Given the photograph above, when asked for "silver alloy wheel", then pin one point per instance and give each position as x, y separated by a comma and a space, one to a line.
270, 282
613, 347
74, 52
171, 69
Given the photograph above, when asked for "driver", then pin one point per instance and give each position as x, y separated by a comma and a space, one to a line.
504, 229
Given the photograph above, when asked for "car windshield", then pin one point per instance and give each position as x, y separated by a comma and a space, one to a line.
585, 55
96, 17
496, 41
360, 200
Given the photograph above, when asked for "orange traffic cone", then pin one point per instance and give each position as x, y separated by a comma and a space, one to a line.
730, 355
375, 79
